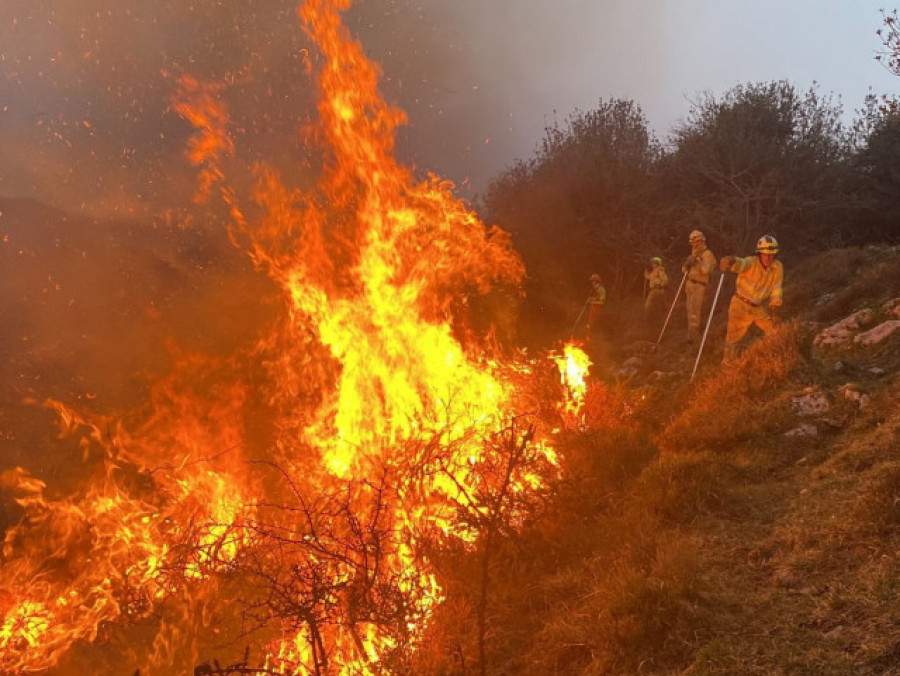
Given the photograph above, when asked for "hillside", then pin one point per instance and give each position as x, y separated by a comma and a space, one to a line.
745, 523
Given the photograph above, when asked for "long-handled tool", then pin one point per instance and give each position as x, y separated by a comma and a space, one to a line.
708, 322
671, 308
581, 314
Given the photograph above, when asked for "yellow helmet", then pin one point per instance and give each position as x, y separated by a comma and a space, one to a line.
696, 236
657, 260
596, 277
767, 245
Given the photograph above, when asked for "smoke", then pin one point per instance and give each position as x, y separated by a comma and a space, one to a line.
86, 123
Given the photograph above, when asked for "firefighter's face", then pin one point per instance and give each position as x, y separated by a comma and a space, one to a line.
766, 259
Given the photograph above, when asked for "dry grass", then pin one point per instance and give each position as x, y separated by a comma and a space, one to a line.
712, 544
745, 399
836, 283
681, 487
633, 604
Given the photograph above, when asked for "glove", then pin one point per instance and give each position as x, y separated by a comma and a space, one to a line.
689, 261
726, 262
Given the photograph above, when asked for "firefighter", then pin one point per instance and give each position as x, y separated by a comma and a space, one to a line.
758, 284
657, 283
697, 267
596, 301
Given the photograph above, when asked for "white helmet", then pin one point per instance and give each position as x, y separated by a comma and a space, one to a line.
696, 236
767, 245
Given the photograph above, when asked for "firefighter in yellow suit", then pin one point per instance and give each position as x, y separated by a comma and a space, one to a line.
657, 283
758, 285
597, 300
697, 267
654, 305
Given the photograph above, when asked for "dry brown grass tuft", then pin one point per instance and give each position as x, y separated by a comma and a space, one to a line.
827, 273
879, 504
745, 399
682, 486
599, 464
838, 282
638, 605
607, 407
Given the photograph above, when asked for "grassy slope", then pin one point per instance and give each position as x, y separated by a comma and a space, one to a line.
695, 538
805, 572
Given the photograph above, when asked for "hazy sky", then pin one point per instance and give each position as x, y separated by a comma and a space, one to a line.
542, 59
85, 86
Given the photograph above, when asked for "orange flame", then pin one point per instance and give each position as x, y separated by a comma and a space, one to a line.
385, 424
573, 365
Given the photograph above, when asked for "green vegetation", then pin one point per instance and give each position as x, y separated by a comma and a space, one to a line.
603, 194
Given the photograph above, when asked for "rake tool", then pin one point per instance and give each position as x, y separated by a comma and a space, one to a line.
581, 314
669, 316
708, 322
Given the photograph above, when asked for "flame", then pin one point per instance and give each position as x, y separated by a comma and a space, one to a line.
573, 365
386, 424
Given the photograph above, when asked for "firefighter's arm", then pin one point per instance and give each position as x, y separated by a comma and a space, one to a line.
726, 262
775, 299
707, 262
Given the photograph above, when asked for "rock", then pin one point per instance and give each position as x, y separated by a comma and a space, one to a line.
838, 366
850, 392
880, 333
804, 430
842, 332
876, 371
836, 634
811, 402
892, 308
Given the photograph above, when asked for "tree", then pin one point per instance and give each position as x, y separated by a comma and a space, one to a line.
763, 158
877, 179
583, 204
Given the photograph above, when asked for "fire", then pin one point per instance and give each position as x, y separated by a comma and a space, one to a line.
385, 425
573, 365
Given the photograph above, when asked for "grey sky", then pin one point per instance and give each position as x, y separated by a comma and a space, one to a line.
84, 87
543, 59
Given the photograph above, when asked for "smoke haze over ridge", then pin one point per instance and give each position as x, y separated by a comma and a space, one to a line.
85, 121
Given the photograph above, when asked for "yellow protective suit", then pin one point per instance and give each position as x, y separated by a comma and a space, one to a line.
756, 288
698, 266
